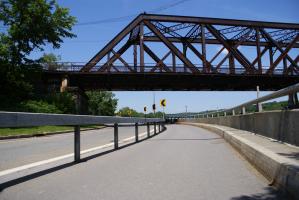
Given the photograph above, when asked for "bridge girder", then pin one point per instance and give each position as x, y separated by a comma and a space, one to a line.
181, 33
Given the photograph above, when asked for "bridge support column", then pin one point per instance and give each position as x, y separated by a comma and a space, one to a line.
233, 112
77, 143
64, 84
148, 129
259, 107
136, 133
80, 99
115, 136
224, 114
293, 101
243, 110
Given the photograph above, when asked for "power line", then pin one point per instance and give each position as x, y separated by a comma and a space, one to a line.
127, 17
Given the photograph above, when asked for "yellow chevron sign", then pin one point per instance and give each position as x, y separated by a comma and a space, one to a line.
163, 102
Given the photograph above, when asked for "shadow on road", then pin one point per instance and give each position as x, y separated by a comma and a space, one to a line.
23, 179
269, 194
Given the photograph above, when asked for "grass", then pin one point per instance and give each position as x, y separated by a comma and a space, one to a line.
40, 130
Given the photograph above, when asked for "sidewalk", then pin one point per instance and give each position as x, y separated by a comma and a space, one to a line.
278, 162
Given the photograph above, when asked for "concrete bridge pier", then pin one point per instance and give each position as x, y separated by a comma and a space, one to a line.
293, 101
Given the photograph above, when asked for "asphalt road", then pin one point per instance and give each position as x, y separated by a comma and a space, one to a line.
183, 162
17, 152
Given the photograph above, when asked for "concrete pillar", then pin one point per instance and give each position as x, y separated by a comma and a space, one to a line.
293, 101
243, 110
115, 136
224, 114
64, 84
233, 112
259, 107
77, 143
136, 133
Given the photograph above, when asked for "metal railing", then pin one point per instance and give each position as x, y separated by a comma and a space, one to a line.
179, 68
291, 90
21, 119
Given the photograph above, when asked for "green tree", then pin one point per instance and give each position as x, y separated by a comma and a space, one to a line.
50, 60
101, 103
129, 112
30, 25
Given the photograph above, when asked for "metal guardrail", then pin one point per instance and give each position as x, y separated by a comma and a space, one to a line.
22, 119
291, 90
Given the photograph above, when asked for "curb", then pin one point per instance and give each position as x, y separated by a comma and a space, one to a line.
280, 171
44, 134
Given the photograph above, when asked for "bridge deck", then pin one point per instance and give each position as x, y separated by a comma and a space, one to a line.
170, 81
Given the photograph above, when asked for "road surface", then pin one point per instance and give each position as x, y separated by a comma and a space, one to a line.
184, 162
24, 151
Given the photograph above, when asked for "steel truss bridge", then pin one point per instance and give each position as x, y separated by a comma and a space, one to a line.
163, 52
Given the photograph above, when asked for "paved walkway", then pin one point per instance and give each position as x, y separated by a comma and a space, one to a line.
184, 162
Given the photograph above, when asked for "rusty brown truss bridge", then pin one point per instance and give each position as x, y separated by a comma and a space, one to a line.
165, 52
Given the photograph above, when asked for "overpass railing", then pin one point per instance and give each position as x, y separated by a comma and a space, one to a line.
21, 119
290, 91
179, 68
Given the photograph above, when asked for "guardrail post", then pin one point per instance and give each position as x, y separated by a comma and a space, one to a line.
148, 129
155, 131
77, 143
243, 110
159, 126
115, 136
136, 132
233, 112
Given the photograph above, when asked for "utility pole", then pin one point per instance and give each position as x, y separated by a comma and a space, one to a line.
186, 110
258, 105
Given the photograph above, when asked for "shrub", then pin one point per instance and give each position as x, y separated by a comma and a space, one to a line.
38, 107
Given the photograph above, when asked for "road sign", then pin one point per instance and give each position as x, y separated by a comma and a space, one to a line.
144, 108
163, 102
154, 107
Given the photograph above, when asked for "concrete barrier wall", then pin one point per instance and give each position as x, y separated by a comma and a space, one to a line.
279, 125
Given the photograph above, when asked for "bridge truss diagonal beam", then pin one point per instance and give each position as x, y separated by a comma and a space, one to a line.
173, 48
238, 55
90, 64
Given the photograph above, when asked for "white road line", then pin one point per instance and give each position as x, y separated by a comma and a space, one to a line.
39, 163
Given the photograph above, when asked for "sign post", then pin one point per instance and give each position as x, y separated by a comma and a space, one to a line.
144, 109
163, 104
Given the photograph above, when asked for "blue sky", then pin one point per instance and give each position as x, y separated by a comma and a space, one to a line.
91, 38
